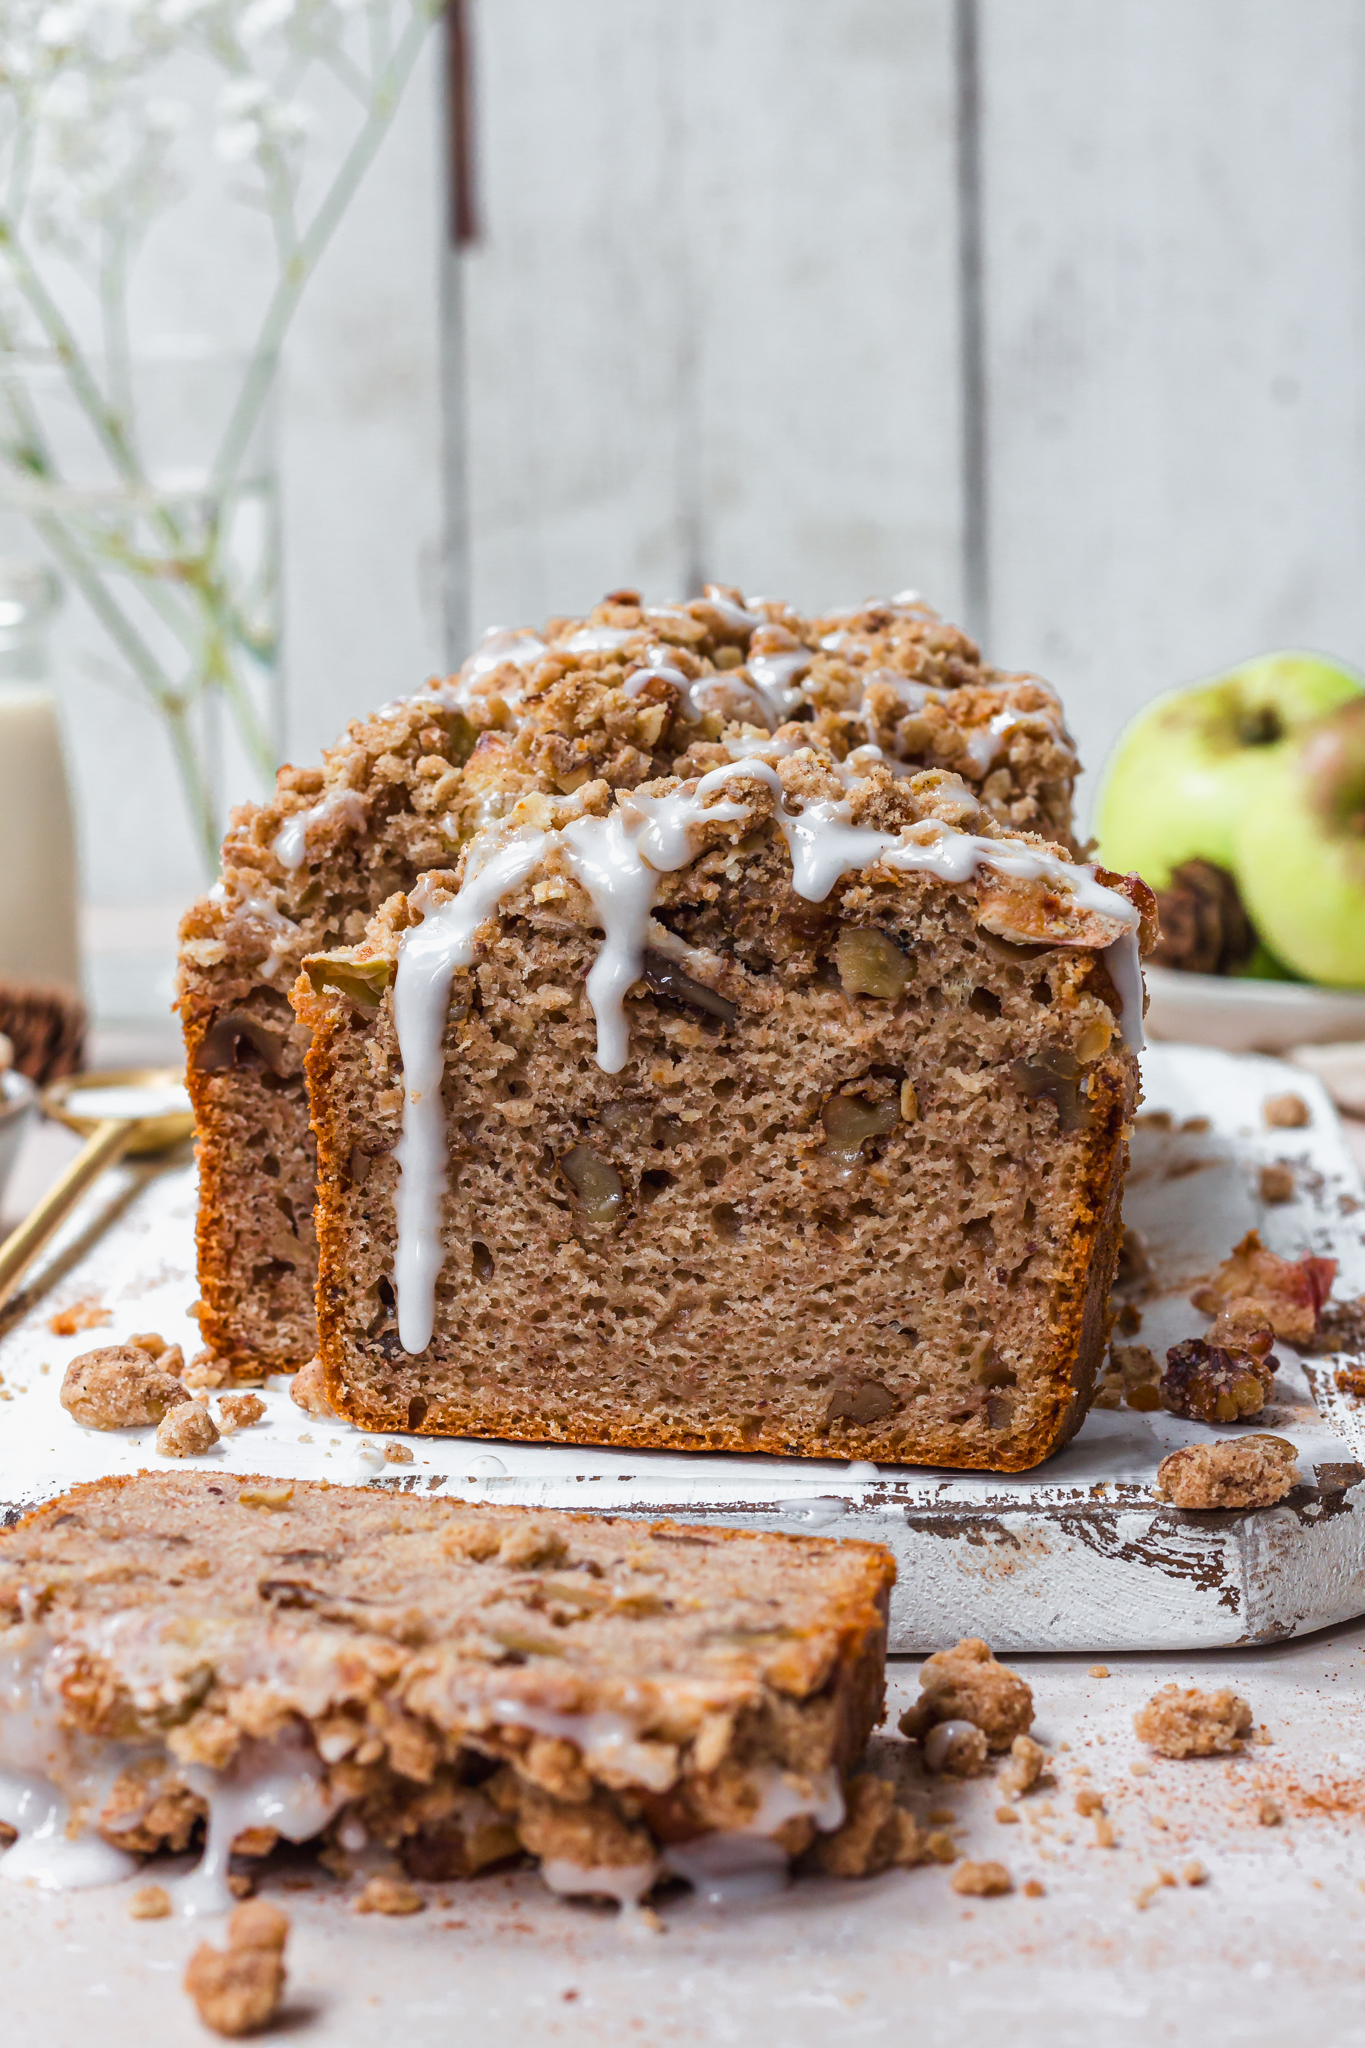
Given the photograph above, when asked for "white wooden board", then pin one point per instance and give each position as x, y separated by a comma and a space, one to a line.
1076, 1555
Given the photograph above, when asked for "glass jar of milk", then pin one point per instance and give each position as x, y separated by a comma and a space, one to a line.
37, 838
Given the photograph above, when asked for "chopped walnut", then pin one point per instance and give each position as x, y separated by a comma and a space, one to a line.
876, 1834
187, 1432
1291, 1293
1286, 1112
1024, 1768
1275, 1183
309, 1389
981, 1880
1237, 1472
120, 1387
239, 1411
238, 1990
1209, 1384
204, 1370
967, 1684
389, 1895
1193, 1723
1132, 1375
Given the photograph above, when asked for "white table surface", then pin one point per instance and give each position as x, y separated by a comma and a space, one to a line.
1271, 1950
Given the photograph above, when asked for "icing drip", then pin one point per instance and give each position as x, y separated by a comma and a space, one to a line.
627, 1883
261, 912
774, 678
280, 1785
597, 640
939, 1741
290, 844
604, 854
56, 1850
733, 1867
427, 960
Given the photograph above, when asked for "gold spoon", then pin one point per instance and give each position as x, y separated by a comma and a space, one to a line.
111, 1127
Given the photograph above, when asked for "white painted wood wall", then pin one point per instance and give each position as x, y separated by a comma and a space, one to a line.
714, 326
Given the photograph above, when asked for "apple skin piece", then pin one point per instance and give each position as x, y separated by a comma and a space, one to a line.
1191, 763
1299, 852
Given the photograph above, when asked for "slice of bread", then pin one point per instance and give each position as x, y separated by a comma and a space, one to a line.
623, 696
458, 1682
782, 1110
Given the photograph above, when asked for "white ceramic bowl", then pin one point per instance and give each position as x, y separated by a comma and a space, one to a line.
1250, 1016
17, 1098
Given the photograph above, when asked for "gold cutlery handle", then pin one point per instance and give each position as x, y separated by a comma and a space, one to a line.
23, 1245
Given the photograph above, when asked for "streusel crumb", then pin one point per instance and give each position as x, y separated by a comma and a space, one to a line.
981, 1880
1189, 1722
187, 1432
119, 1387
1235, 1472
967, 1684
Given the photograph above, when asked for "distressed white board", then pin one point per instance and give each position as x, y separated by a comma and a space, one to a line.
1175, 329
1076, 1555
710, 328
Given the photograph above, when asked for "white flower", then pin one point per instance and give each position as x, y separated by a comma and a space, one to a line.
237, 140
166, 116
242, 96
60, 25
287, 124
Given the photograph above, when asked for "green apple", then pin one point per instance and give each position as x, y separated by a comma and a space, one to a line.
1191, 763
1299, 854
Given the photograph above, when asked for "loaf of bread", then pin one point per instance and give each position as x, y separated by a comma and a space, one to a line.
460, 1683
775, 1105
629, 694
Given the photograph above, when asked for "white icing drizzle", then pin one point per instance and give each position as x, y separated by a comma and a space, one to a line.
627, 1883
731, 1869
41, 1765
732, 613
597, 640
427, 960
517, 644
617, 860
290, 844
774, 677
280, 1785
261, 912
939, 1742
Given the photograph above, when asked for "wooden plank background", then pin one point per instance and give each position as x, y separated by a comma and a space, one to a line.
726, 319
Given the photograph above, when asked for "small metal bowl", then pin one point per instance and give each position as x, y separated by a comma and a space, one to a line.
62, 1100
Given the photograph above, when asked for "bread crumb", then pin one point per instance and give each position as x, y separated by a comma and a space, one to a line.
1275, 1183
942, 1816
942, 1848
1287, 1112
1098, 1671
1179, 1723
397, 1454
1236, 1472
1088, 1802
1032, 1889
967, 1684
389, 1895
150, 1902
238, 1990
119, 1387
981, 1880
239, 1411
1105, 1837
204, 1370
89, 1313
309, 1389
875, 1834
1194, 1873
1268, 1814
1006, 1815
1024, 1768
1141, 1768
187, 1432
150, 1341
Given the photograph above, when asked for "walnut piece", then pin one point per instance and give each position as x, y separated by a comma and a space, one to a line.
869, 963
120, 1387
967, 1684
238, 1990
1193, 1723
239, 1411
981, 1880
600, 1190
187, 1432
150, 1902
1291, 1292
204, 1370
1288, 1112
1275, 1183
1237, 1472
1206, 1384
1132, 1375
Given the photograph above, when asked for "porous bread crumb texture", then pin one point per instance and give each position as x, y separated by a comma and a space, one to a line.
1237, 1472
967, 1683
1180, 1722
238, 1990
404, 789
434, 1662
742, 1241
121, 1386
